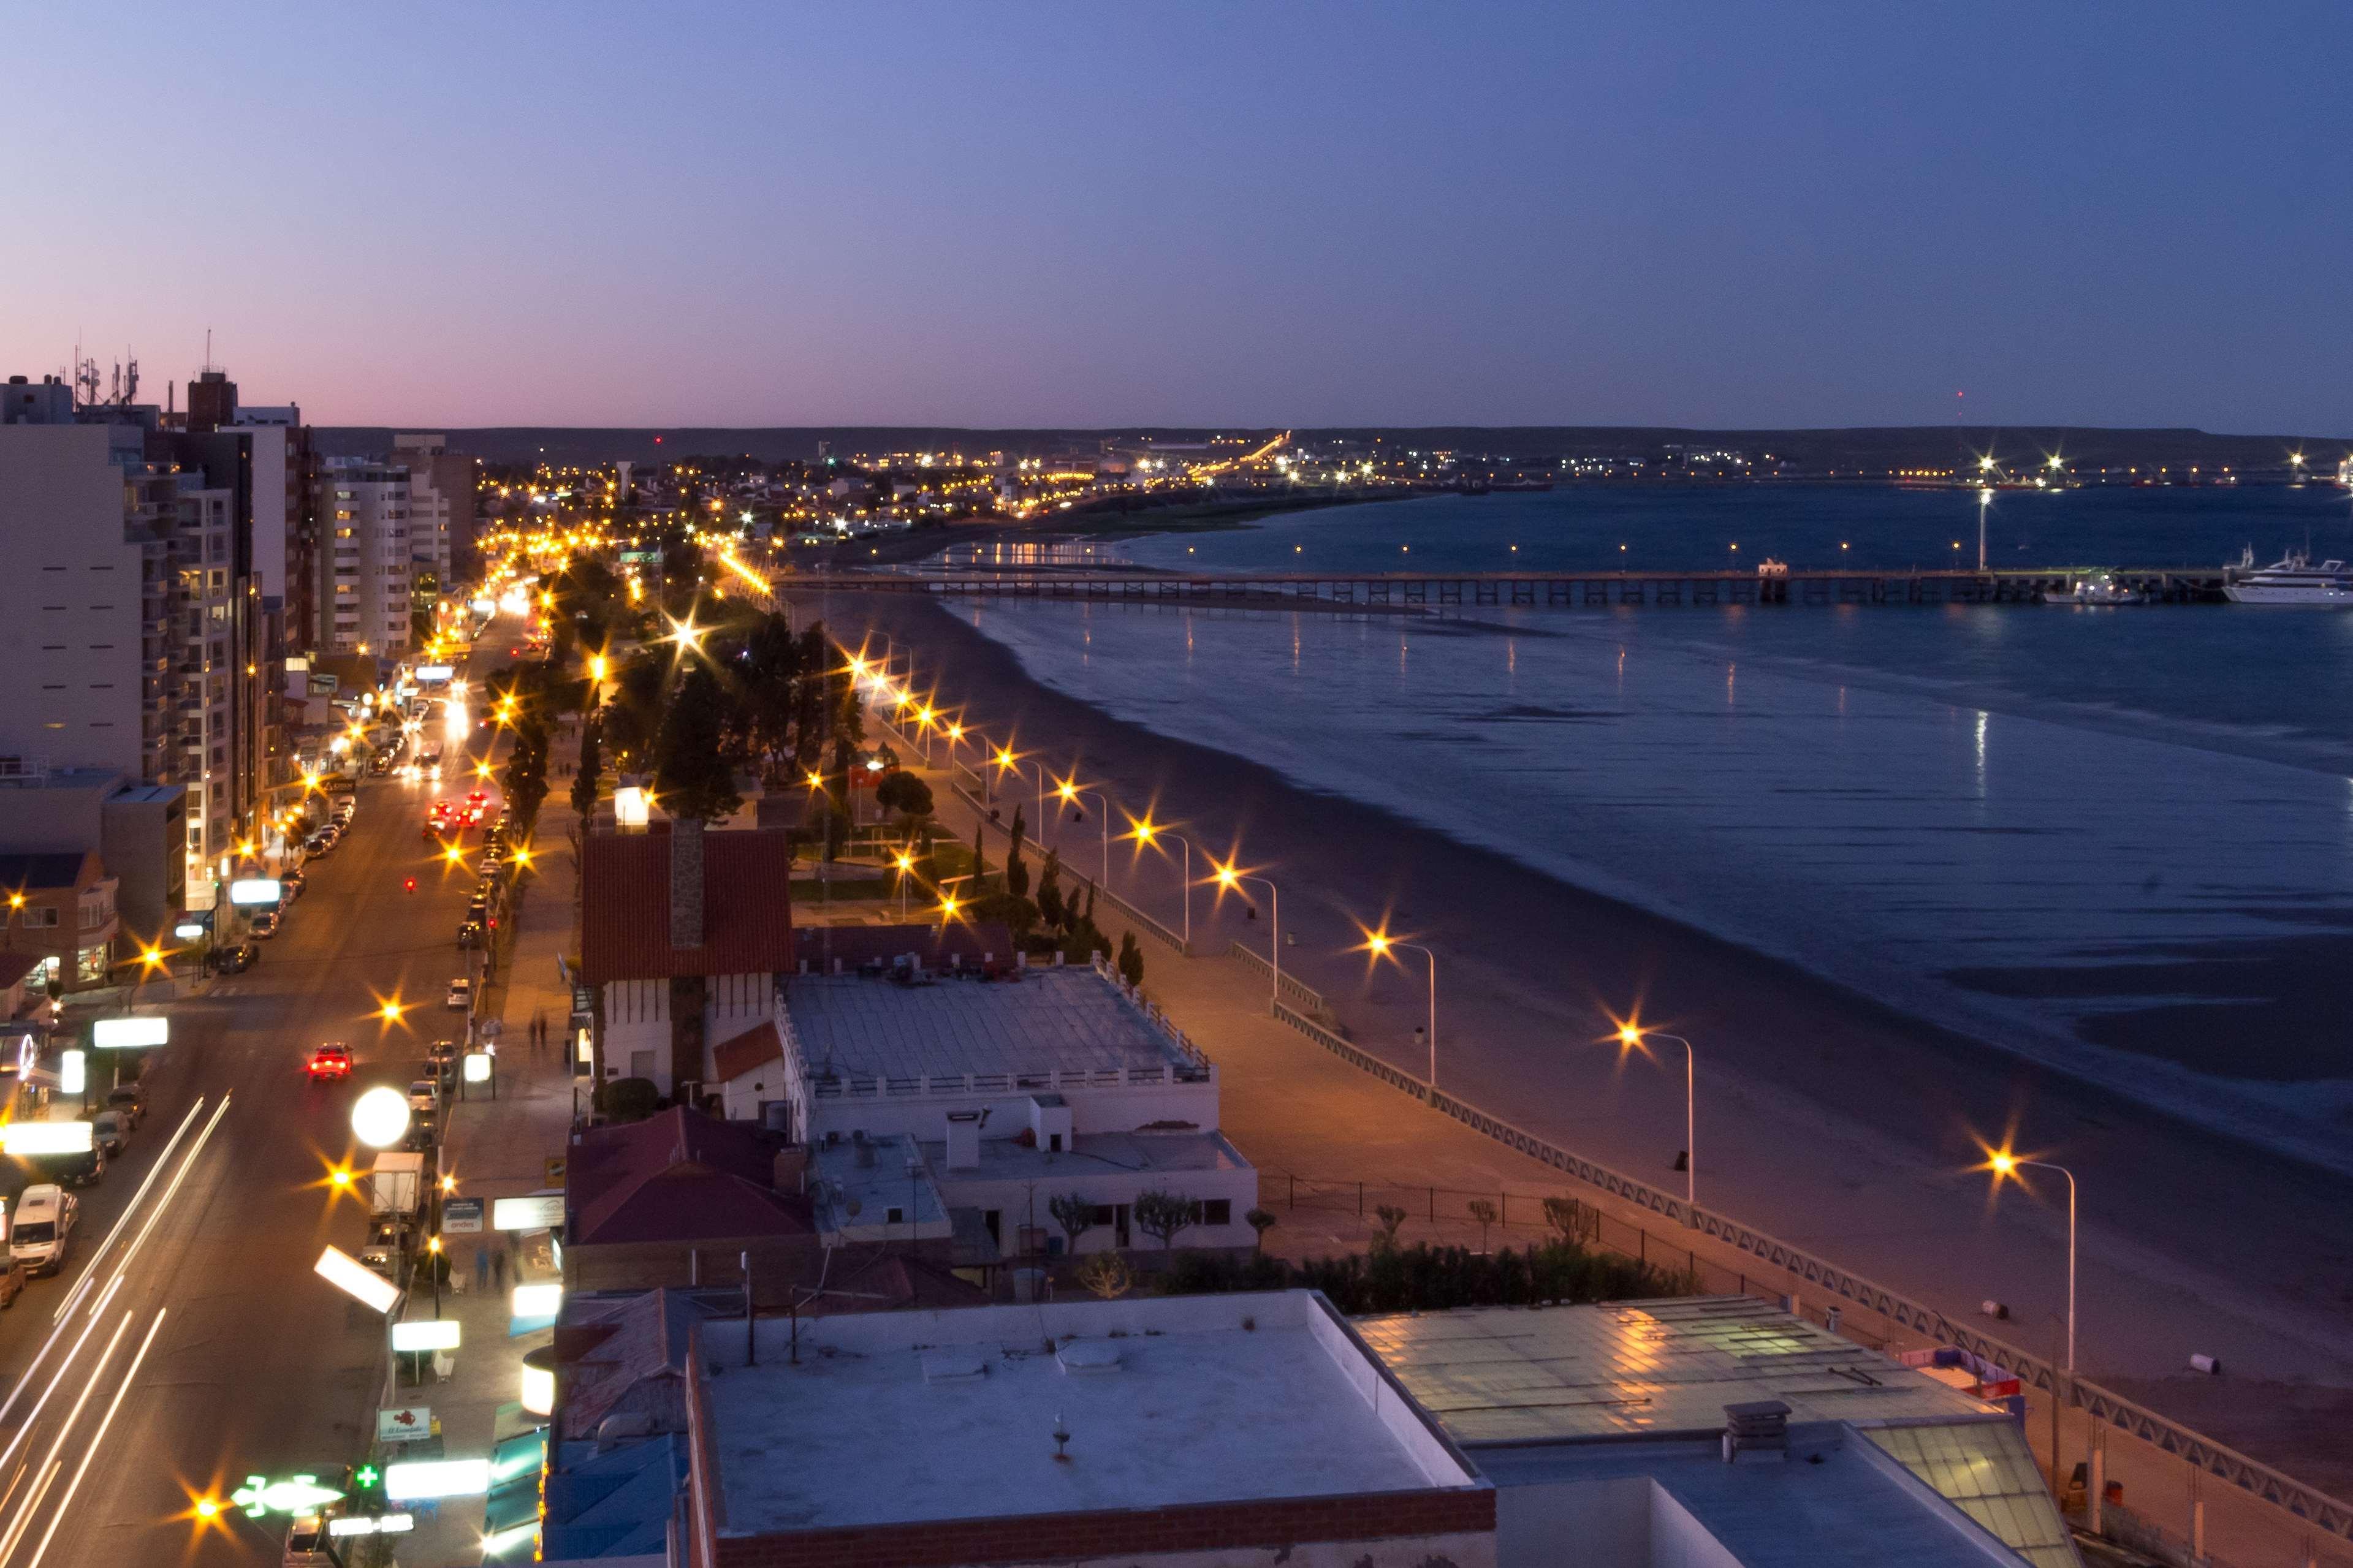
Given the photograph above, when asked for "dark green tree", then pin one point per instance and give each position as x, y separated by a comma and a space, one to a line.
591, 770
1017, 870
1130, 959
694, 776
979, 863
1050, 891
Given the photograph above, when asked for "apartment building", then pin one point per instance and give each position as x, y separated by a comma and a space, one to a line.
441, 513
366, 565
132, 624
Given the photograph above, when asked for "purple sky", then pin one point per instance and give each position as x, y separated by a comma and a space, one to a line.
762, 213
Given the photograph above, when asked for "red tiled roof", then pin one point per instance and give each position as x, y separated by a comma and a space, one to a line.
747, 918
678, 1176
756, 1046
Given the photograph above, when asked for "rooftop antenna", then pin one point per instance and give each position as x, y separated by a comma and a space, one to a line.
208, 348
130, 376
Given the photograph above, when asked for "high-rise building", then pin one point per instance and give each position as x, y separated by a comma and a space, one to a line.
364, 567
132, 615
441, 515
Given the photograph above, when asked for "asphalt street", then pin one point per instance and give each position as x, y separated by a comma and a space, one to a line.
218, 1353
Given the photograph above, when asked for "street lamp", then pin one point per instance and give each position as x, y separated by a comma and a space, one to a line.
2005, 1165
1380, 944
1228, 877
1145, 833
906, 861
1070, 793
1631, 1035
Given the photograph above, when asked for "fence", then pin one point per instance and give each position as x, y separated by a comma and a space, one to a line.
1309, 998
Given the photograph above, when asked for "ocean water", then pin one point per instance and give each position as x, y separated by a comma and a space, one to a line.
2119, 840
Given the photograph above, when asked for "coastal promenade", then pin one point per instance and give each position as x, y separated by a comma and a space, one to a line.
1299, 1109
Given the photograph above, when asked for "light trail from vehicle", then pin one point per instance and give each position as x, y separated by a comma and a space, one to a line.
97, 1439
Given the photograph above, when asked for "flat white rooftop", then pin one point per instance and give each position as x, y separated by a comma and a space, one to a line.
1049, 1021
1093, 1154
905, 1416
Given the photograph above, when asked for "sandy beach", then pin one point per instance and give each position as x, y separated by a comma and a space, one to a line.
1822, 1116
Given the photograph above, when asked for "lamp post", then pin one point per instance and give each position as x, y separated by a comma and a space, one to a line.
1070, 793
1631, 1037
1985, 500
1145, 833
1227, 876
905, 862
2002, 1162
1380, 944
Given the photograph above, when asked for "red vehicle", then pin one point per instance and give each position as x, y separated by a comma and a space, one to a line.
332, 1060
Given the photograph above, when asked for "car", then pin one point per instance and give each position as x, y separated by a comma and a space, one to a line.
110, 1133
237, 959
319, 844
265, 924
460, 996
332, 1060
470, 935
12, 1282
41, 1231
129, 1100
292, 884
443, 1053
424, 1095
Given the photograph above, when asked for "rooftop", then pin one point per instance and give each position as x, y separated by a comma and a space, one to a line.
678, 1176
857, 1185
907, 1418
1092, 1153
1508, 1374
1049, 1020
747, 920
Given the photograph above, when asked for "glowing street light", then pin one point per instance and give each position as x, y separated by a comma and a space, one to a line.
1631, 1035
1229, 880
905, 860
380, 1116
1145, 835
1382, 945
1069, 793
2005, 1166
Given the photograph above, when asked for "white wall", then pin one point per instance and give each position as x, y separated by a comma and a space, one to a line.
1403, 1552
1121, 1110
1016, 1199
1622, 1521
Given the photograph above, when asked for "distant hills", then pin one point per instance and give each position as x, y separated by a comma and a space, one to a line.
1865, 449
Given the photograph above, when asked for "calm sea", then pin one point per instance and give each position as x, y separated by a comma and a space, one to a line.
2120, 839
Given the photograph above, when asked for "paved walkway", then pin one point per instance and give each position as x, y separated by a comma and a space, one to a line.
499, 1147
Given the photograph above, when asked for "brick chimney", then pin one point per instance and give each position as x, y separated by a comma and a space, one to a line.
686, 883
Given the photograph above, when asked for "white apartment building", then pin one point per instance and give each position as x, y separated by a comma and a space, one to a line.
366, 565
1036, 1084
441, 485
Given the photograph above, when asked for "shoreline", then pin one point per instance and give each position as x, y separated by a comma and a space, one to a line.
1804, 1071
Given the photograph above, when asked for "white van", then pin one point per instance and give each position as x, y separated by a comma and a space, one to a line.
41, 1230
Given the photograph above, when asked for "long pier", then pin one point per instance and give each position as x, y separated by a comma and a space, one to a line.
1945, 586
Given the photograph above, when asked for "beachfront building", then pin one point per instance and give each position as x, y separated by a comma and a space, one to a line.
1154, 1432
683, 934
1017, 1086
1723, 1431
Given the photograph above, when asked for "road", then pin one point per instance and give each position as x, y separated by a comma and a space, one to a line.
194, 1346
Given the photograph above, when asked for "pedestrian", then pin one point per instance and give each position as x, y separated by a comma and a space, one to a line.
499, 1268
481, 1268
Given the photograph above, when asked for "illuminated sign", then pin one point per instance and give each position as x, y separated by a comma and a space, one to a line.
261, 1497
73, 1072
250, 890
436, 1478
404, 1424
46, 1138
426, 1334
478, 1067
462, 1216
130, 1033
356, 1280
434, 672
539, 1212
372, 1525
188, 930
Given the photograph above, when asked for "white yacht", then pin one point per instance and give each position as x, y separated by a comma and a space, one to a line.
2291, 580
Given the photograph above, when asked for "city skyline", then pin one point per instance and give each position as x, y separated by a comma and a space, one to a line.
1320, 218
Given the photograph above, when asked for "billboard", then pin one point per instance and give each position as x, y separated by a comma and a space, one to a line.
538, 1212
250, 890
46, 1138
132, 1034
432, 674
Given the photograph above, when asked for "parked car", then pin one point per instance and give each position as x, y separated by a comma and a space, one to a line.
42, 1232
130, 1100
236, 960
423, 1094
460, 996
470, 935
110, 1133
443, 1054
12, 1282
291, 884
265, 924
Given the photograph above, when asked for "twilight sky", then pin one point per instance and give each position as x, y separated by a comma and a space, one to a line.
1272, 214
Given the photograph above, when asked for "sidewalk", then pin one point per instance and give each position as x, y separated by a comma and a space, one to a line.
499, 1148
1291, 1106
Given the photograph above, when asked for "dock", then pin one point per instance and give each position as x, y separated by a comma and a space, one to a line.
2167, 585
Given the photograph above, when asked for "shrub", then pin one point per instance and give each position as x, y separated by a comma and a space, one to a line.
631, 1098
1422, 1277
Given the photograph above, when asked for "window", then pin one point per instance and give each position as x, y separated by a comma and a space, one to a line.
89, 965
1216, 1211
894, 1216
38, 918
